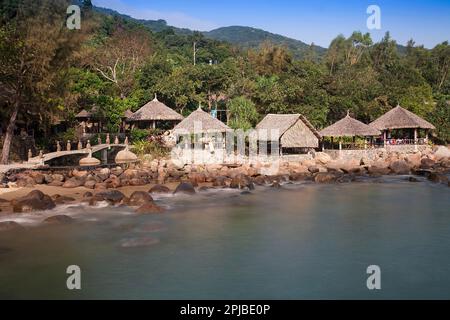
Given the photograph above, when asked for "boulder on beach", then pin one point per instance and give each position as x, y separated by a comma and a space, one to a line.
138, 198
59, 219
442, 152
242, 181
159, 188
185, 187
90, 184
148, 208
73, 183
326, 177
10, 225
427, 163
400, 167
437, 178
111, 196
34, 201
58, 199
322, 157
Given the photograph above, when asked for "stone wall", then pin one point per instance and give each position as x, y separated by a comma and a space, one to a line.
373, 154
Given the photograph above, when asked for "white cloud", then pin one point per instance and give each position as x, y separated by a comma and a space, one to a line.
176, 19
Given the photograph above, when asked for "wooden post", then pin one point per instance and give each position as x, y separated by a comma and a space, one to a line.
415, 139
154, 124
105, 156
384, 138
426, 136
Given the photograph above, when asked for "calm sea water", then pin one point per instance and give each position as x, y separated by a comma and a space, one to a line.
303, 242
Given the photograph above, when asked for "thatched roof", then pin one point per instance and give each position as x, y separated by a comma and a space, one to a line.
349, 127
155, 110
200, 117
87, 114
128, 113
400, 118
283, 122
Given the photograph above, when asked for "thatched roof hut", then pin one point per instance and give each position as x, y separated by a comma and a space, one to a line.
153, 111
128, 113
83, 114
400, 118
294, 130
349, 127
200, 118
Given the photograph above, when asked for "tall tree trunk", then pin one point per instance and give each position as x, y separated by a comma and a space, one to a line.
9, 134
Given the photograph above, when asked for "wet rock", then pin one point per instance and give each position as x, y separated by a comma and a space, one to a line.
219, 181
59, 219
245, 192
10, 225
196, 177
300, 176
346, 178
325, 177
204, 188
111, 196
378, 171
400, 167
437, 178
148, 208
242, 181
34, 201
261, 180
159, 189
275, 185
412, 179
58, 199
139, 198
185, 187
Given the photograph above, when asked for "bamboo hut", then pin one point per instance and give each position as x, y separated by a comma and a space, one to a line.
400, 126
293, 133
90, 121
154, 114
206, 127
349, 127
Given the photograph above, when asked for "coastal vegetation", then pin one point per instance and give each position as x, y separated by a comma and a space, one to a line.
49, 73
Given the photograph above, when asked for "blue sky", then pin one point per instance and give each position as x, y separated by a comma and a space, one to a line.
318, 21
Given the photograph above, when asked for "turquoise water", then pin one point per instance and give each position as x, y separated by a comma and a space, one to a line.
303, 242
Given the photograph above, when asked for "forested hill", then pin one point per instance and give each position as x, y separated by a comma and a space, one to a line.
241, 36
247, 37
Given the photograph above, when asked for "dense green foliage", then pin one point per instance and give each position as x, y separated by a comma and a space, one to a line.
117, 63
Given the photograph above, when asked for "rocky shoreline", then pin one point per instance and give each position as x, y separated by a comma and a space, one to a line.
162, 176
